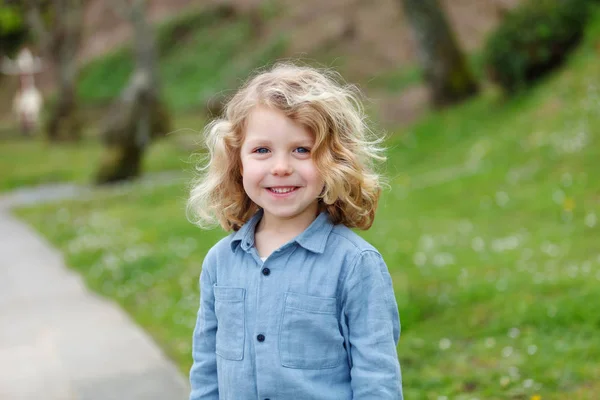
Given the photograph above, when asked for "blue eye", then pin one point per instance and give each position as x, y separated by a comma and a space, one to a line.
303, 150
261, 150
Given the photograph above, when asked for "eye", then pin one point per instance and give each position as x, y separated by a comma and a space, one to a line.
302, 150
261, 150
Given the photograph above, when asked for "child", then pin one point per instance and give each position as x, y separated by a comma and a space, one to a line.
294, 305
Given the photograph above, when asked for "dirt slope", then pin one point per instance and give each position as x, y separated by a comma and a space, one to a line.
367, 36
372, 31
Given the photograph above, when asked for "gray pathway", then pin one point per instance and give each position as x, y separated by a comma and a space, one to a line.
66, 191
58, 341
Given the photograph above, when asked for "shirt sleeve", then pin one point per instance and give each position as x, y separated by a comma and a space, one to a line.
203, 374
373, 323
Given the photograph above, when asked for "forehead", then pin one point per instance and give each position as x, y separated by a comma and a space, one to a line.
270, 124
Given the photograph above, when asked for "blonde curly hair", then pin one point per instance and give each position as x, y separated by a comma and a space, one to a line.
344, 150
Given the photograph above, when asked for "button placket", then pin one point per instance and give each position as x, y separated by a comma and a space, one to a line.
262, 345
265, 271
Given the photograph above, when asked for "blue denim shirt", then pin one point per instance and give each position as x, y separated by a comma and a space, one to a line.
316, 320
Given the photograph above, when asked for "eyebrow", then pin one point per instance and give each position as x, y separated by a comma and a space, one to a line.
266, 141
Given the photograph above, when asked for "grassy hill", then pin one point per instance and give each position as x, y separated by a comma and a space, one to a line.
490, 229
201, 53
207, 49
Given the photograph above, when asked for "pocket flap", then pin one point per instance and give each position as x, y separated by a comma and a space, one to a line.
228, 293
324, 305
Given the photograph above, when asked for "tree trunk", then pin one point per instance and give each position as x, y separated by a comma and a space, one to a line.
445, 68
119, 163
140, 114
60, 45
63, 122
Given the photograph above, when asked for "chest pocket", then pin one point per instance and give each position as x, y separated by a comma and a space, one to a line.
229, 309
309, 336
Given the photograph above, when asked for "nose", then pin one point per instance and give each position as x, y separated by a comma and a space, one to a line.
281, 166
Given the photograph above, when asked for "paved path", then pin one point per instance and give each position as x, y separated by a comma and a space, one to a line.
58, 341
65, 191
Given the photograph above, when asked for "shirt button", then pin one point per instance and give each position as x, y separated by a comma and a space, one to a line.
266, 271
260, 337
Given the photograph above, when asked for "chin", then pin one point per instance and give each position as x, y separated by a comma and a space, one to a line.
282, 214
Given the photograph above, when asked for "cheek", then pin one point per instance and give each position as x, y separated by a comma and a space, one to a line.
245, 166
250, 184
242, 164
251, 171
311, 173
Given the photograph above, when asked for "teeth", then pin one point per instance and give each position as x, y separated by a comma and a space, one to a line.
282, 190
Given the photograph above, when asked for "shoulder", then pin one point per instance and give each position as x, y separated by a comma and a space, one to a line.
223, 245
218, 251
346, 246
362, 260
346, 238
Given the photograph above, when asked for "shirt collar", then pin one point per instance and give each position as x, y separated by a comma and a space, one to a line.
245, 235
313, 238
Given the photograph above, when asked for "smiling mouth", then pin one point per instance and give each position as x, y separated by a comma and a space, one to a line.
282, 190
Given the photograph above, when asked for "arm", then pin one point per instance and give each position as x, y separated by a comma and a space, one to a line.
373, 324
203, 375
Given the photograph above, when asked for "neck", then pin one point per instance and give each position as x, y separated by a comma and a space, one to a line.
287, 228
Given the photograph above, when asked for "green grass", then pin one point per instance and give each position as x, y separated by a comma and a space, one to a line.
398, 79
35, 162
490, 230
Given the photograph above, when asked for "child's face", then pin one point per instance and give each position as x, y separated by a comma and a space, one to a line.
278, 171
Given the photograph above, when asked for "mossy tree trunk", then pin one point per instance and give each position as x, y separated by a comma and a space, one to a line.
446, 70
140, 114
60, 44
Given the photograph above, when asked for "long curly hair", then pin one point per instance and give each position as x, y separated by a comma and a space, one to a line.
344, 153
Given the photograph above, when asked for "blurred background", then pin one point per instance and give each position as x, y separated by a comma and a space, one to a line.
490, 107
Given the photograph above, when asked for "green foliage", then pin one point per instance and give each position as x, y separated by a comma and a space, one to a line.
13, 32
103, 79
11, 19
533, 39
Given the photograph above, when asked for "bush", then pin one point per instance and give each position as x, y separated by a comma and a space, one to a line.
13, 32
533, 39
